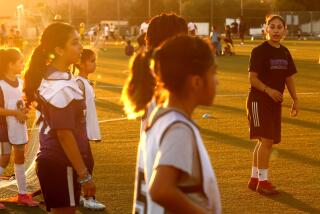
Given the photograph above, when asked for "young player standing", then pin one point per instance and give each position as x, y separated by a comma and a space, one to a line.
13, 129
177, 175
88, 66
271, 68
64, 147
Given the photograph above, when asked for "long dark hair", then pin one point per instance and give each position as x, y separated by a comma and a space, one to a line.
55, 35
174, 61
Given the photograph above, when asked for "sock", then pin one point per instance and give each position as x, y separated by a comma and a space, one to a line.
263, 174
21, 178
1, 170
254, 172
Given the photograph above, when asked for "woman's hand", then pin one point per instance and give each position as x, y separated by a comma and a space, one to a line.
294, 108
274, 94
21, 117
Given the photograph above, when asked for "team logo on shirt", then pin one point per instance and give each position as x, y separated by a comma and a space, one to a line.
278, 64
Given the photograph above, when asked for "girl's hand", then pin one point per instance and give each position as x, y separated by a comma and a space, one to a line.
274, 94
89, 189
21, 117
294, 108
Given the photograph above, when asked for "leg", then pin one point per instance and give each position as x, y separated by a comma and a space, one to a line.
264, 153
19, 170
5, 151
264, 187
255, 154
253, 182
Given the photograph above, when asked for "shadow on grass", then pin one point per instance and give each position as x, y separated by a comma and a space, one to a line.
246, 144
290, 200
109, 106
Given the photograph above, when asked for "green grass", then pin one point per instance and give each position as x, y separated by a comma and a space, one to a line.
295, 164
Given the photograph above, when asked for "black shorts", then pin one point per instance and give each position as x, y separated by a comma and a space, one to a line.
59, 184
264, 118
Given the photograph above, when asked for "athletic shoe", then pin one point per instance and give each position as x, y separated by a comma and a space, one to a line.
26, 200
92, 204
266, 188
2, 207
253, 183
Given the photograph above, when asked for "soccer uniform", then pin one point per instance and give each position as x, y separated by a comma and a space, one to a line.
159, 147
62, 107
12, 130
273, 66
92, 123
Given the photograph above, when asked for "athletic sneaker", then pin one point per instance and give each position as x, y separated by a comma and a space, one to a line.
253, 183
91, 204
26, 200
266, 188
2, 207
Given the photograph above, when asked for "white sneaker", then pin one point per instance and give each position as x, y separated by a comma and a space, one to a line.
92, 204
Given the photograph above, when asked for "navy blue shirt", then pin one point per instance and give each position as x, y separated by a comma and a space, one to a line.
273, 66
72, 118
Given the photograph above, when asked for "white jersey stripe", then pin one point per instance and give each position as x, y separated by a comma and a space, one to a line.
257, 114
70, 186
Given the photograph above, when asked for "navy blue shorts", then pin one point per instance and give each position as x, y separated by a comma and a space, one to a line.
264, 119
58, 183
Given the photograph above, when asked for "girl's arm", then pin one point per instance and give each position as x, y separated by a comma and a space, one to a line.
71, 149
164, 191
292, 91
255, 82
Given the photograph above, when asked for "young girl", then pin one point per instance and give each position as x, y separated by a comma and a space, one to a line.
13, 132
87, 66
271, 68
177, 175
64, 159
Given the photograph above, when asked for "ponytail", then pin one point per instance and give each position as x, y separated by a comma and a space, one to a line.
55, 35
139, 89
35, 73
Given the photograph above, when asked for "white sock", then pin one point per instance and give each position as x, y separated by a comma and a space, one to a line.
263, 174
254, 172
21, 178
1, 170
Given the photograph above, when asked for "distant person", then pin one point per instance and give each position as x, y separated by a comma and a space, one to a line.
234, 27
242, 29
144, 27
299, 32
192, 28
18, 41
112, 31
129, 49
215, 41
82, 31
10, 38
271, 70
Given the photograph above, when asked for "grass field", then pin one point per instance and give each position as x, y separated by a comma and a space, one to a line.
295, 165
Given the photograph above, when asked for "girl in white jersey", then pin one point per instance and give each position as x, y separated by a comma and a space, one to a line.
88, 66
176, 175
13, 120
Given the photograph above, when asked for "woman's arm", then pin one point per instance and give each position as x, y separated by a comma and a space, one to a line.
256, 83
164, 191
292, 91
71, 149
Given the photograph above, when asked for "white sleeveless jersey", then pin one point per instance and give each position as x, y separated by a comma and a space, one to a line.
93, 129
13, 100
147, 151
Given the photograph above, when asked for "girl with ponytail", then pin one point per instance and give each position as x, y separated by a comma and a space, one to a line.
64, 148
173, 175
